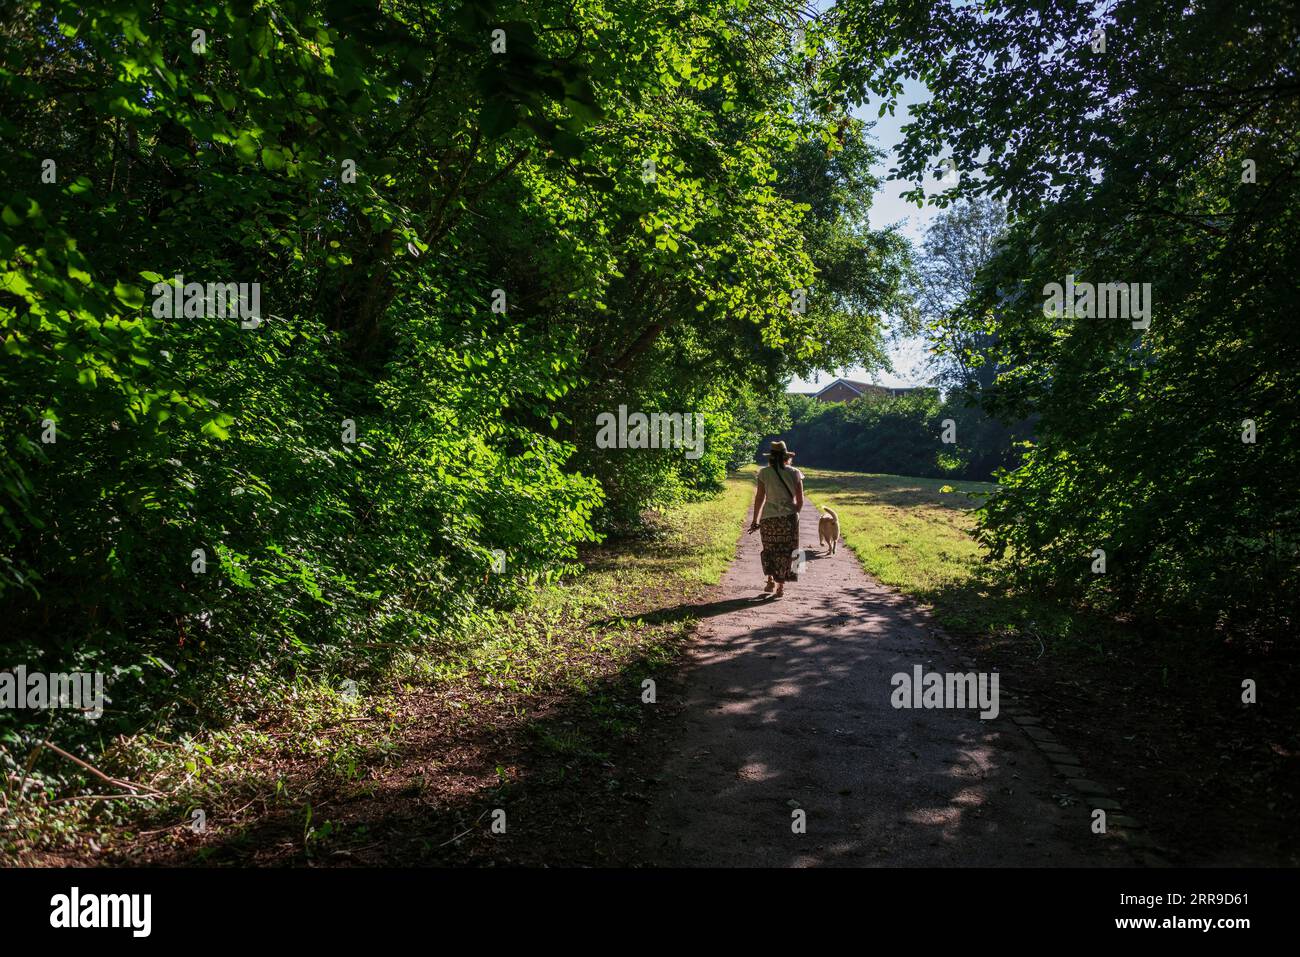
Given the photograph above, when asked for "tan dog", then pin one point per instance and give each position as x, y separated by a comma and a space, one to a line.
828, 530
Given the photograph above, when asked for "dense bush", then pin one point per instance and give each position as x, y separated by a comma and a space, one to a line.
473, 226
1151, 143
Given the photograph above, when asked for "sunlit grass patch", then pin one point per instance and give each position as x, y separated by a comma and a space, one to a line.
914, 534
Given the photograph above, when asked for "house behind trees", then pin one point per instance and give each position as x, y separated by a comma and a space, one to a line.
849, 390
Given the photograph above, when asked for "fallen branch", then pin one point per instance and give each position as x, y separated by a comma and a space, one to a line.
98, 773
468, 830
457, 837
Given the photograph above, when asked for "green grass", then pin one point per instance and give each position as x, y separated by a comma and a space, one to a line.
569, 641
914, 534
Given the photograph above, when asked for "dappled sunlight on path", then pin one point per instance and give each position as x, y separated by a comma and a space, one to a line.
788, 708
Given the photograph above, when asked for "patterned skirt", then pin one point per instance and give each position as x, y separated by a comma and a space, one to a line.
780, 541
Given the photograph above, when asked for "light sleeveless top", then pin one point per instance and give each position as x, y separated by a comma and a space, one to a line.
778, 501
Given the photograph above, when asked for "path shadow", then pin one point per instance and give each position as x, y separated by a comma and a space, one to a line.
797, 713
687, 611
583, 779
792, 708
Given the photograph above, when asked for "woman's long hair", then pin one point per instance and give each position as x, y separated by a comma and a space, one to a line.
778, 459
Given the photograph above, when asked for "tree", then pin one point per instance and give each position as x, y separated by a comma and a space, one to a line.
1153, 146
468, 226
958, 244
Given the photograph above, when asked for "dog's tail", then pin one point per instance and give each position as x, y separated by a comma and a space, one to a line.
830, 512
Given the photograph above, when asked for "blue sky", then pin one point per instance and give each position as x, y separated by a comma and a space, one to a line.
907, 355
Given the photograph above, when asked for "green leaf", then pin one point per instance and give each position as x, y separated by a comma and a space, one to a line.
130, 296
246, 147
214, 429
272, 158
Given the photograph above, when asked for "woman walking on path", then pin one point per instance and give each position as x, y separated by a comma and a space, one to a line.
777, 502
